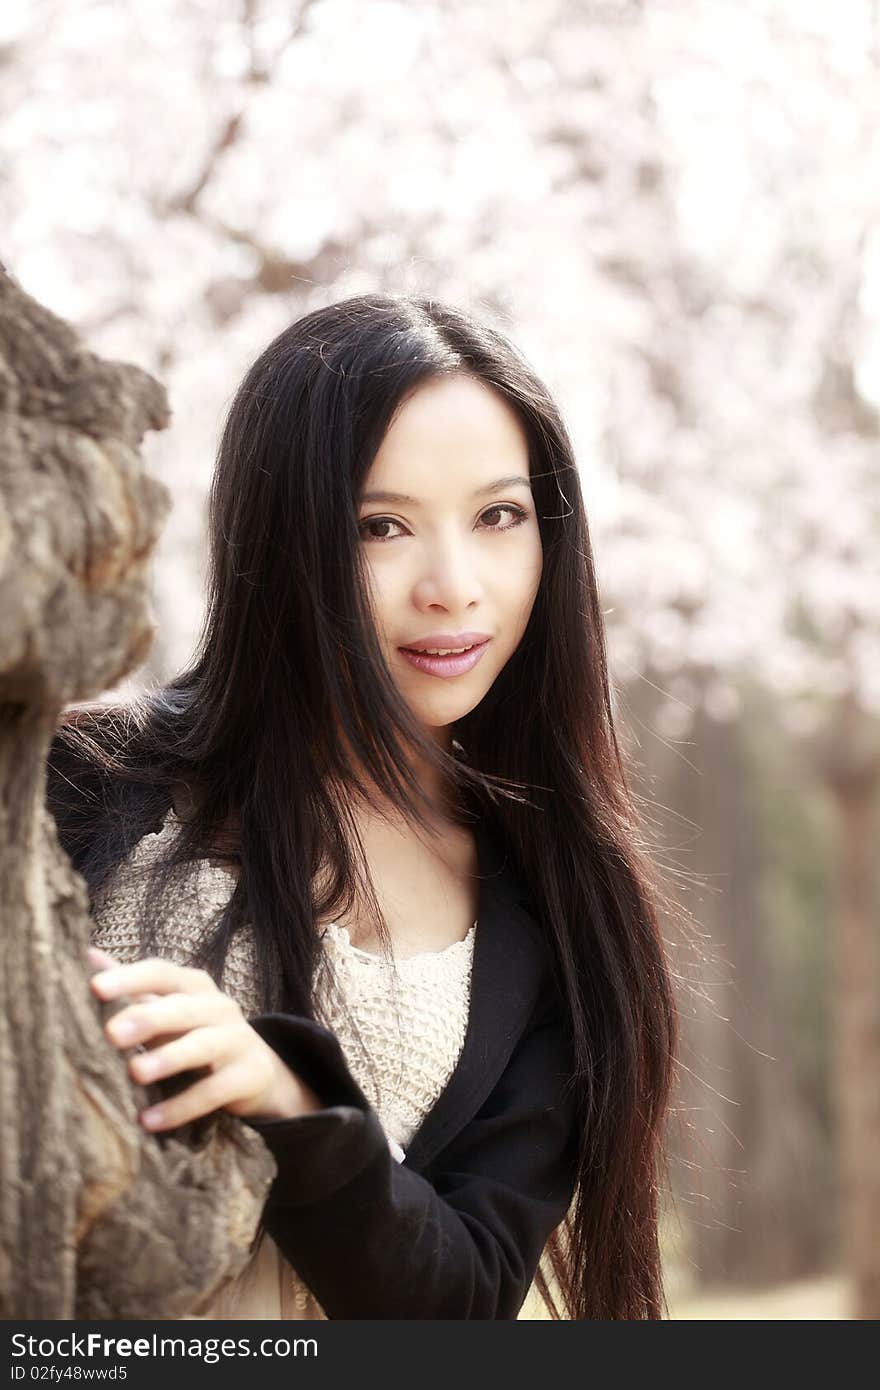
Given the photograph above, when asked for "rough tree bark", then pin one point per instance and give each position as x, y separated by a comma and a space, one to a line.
98, 1219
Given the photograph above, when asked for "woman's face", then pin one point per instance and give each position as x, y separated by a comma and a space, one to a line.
454, 556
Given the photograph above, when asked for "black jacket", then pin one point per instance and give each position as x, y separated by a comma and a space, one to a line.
457, 1228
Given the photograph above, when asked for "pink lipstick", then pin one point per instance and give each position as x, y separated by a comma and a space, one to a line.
456, 664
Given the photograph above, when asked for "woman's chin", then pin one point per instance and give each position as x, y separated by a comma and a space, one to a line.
442, 714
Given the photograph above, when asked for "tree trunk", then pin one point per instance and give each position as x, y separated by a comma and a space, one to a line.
852, 770
98, 1219
745, 1156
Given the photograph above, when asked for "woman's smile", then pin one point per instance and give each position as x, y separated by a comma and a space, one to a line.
449, 663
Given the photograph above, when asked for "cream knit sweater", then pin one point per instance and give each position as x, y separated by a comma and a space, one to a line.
401, 1025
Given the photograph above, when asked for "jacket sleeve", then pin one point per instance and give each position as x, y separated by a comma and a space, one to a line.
371, 1237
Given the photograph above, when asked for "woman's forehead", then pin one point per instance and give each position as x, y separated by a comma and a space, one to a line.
452, 428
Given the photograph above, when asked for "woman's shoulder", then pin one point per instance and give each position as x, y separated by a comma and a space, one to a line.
184, 907
120, 896
500, 865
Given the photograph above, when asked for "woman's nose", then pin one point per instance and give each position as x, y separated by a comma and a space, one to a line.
449, 575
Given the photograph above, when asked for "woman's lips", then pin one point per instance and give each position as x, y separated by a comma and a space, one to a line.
445, 665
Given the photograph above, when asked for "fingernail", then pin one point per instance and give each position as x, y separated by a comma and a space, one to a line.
145, 1066
106, 981
153, 1117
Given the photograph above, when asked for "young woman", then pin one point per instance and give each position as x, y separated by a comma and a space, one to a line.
386, 906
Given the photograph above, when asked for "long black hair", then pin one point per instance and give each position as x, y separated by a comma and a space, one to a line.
288, 681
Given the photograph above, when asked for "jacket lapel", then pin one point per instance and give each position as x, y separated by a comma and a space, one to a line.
509, 965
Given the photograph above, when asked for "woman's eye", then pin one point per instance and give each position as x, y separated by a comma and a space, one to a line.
377, 521
516, 513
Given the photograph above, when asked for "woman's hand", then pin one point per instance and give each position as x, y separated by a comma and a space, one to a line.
206, 1029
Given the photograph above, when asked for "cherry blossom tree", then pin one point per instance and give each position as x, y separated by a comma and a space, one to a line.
671, 207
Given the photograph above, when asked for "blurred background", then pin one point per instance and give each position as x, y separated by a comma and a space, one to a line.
672, 207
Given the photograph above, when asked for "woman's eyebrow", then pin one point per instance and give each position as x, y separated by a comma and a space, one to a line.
497, 486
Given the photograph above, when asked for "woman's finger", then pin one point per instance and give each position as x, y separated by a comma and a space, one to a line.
100, 960
154, 976
171, 1013
201, 1047
211, 1093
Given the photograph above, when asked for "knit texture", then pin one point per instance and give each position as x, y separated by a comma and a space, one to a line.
401, 1024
